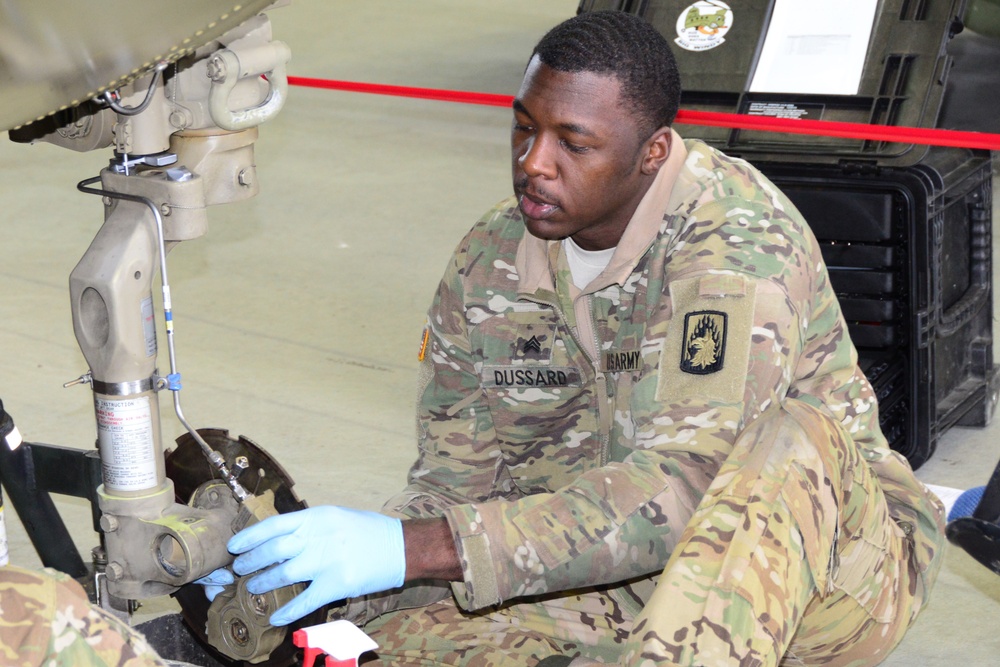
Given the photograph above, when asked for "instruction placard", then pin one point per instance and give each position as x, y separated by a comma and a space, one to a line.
125, 438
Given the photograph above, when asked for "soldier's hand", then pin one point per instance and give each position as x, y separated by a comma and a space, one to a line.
215, 582
343, 552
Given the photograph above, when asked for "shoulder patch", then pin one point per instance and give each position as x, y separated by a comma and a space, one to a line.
706, 351
704, 348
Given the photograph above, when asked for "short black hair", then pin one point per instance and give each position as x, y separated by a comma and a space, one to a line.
627, 47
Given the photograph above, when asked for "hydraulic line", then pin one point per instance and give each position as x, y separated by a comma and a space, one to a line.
110, 96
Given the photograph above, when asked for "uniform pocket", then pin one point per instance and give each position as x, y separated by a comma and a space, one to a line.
868, 562
548, 434
542, 410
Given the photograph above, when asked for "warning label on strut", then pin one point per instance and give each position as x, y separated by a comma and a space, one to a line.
149, 326
125, 438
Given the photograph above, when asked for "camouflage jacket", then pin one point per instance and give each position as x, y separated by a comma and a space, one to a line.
47, 621
567, 435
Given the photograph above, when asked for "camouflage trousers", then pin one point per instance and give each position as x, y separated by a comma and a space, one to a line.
47, 620
587, 623
791, 558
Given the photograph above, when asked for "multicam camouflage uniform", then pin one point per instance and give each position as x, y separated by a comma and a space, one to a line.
569, 436
47, 621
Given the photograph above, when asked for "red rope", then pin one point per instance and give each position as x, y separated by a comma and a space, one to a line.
488, 99
829, 128
826, 128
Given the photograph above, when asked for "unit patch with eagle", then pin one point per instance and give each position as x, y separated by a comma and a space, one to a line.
704, 348
706, 351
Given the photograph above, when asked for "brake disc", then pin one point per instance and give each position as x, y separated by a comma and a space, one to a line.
192, 474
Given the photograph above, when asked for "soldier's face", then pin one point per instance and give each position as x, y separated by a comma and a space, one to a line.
580, 167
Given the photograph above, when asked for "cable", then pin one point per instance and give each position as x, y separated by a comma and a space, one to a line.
110, 95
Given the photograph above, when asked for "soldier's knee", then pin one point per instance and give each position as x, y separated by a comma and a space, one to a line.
795, 431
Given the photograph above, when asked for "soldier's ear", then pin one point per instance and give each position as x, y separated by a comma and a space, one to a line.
656, 150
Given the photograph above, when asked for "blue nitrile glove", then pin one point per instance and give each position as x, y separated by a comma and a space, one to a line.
215, 582
343, 552
966, 503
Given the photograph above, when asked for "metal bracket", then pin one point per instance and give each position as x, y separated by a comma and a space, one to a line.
30, 474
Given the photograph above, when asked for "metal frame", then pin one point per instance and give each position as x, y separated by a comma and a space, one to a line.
30, 474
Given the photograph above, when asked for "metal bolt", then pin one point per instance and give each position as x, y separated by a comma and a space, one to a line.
241, 463
115, 571
216, 69
164, 209
246, 177
109, 523
180, 119
259, 603
239, 632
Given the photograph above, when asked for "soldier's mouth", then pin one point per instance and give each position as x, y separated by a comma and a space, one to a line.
536, 209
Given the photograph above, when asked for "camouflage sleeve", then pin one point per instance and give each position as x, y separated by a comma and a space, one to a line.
458, 460
48, 620
621, 520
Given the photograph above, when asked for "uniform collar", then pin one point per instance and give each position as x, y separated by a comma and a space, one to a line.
536, 258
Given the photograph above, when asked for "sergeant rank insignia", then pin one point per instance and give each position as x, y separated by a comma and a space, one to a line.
704, 342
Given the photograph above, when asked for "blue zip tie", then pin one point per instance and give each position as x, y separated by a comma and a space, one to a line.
174, 382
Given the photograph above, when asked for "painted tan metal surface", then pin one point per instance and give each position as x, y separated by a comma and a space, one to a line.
56, 55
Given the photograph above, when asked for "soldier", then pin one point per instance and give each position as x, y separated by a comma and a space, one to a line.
635, 376
47, 621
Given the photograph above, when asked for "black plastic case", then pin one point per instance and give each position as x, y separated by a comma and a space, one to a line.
909, 255
902, 83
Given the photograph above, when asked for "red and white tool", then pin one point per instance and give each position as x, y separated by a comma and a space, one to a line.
341, 641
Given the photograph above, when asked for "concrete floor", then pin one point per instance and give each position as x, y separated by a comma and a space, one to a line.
298, 316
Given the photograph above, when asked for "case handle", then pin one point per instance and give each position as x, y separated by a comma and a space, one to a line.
963, 310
